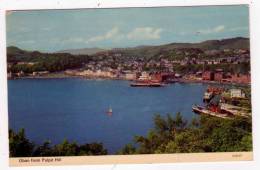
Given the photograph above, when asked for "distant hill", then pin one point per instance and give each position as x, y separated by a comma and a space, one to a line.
149, 51
12, 50
88, 51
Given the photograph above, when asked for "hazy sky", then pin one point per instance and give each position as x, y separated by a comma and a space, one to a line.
53, 30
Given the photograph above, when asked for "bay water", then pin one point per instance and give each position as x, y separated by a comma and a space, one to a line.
76, 109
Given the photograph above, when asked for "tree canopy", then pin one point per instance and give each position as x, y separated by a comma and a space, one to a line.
204, 134
20, 146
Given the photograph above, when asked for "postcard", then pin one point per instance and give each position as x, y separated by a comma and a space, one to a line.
129, 85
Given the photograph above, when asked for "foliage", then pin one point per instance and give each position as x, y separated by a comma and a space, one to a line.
242, 68
20, 146
206, 134
171, 134
45, 62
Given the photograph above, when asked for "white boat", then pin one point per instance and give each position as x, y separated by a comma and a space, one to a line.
110, 111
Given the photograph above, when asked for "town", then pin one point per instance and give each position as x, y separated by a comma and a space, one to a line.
183, 65
230, 66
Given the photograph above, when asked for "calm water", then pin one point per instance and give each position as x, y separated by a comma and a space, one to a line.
75, 109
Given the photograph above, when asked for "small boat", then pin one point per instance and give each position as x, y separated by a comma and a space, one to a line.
110, 111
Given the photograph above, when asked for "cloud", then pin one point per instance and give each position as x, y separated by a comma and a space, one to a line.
27, 42
112, 34
216, 29
22, 29
145, 33
115, 35
75, 40
238, 29
46, 28
219, 28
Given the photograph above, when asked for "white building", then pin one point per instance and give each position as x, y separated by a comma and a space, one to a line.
237, 93
144, 76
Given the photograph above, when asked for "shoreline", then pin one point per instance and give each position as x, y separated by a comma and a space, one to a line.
64, 76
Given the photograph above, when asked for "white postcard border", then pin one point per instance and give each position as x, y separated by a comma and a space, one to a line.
68, 4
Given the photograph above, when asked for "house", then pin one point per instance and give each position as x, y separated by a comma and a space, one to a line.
144, 76
218, 76
199, 73
200, 62
208, 75
237, 93
176, 75
130, 76
241, 78
9, 75
216, 62
20, 74
209, 62
27, 63
157, 77
40, 73
184, 63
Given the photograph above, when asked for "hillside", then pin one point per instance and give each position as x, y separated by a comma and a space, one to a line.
150, 51
18, 59
12, 50
83, 51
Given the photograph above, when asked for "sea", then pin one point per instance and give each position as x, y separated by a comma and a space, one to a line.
76, 109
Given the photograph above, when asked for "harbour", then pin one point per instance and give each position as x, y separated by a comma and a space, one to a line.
80, 109
225, 102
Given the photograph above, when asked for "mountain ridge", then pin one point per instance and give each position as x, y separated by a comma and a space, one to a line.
82, 51
228, 43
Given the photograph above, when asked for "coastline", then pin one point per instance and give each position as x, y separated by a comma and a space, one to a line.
62, 75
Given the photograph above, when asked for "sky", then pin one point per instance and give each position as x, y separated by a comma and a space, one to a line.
54, 30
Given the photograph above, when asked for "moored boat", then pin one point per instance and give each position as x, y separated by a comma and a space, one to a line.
203, 110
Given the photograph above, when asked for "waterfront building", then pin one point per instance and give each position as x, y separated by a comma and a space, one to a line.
241, 78
130, 76
144, 76
218, 76
9, 75
208, 75
40, 73
237, 93
20, 74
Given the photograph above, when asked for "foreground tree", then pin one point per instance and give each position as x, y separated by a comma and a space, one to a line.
206, 134
20, 146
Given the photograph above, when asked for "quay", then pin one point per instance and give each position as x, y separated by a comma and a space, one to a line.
202, 110
146, 84
224, 103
